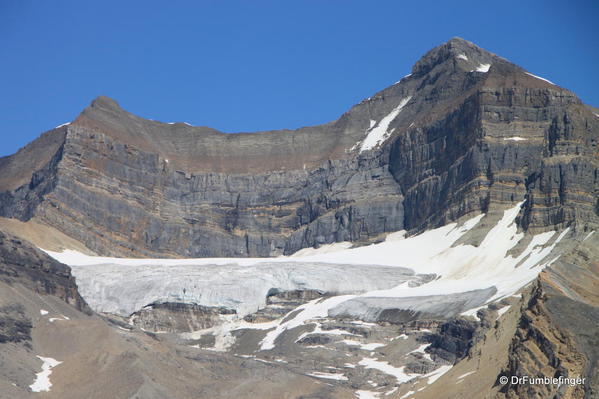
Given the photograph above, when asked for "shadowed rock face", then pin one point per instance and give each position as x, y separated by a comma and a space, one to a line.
464, 142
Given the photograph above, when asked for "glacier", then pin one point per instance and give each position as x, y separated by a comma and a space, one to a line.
431, 272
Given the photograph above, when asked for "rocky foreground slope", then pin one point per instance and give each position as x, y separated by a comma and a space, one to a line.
492, 172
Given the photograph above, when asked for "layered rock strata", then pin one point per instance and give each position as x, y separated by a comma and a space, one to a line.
466, 131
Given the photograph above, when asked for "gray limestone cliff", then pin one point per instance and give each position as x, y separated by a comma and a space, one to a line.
475, 132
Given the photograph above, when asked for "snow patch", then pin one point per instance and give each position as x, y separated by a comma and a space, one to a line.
421, 349
463, 57
501, 311
314, 309
473, 312
64, 124
538, 77
329, 376
62, 317
482, 68
361, 394
407, 394
43, 312
379, 133
319, 330
42, 380
223, 337
588, 235
436, 374
397, 372
366, 347
363, 323
515, 138
466, 374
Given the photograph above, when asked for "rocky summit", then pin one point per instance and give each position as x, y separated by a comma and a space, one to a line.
436, 237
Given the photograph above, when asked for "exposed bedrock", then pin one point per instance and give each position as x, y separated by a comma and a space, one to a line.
15, 326
557, 333
177, 317
24, 264
456, 140
453, 339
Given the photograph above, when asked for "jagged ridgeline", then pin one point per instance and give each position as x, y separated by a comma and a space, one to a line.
465, 132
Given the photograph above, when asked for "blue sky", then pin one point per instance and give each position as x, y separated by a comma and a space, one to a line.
258, 65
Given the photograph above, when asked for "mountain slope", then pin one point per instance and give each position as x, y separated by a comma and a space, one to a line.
473, 132
492, 172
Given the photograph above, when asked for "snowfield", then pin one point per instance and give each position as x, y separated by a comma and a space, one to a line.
427, 273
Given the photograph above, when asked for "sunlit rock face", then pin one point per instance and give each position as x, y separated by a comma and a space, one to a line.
466, 132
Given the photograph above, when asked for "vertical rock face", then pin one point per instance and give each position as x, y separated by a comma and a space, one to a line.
22, 263
466, 131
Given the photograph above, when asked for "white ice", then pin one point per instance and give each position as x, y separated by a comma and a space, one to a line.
110, 287
42, 379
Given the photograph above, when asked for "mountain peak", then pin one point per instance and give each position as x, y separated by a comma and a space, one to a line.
461, 53
105, 102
